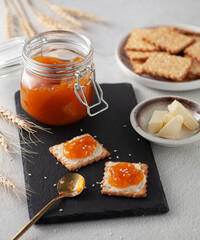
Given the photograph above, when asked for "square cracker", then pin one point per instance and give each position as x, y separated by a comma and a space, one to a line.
138, 55
195, 67
168, 66
107, 189
136, 41
167, 39
194, 51
72, 164
137, 66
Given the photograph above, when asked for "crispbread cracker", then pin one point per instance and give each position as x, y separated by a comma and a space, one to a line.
137, 66
72, 164
107, 189
136, 42
186, 32
194, 51
138, 55
195, 68
168, 40
168, 66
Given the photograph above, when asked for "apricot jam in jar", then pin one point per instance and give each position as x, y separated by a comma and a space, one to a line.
58, 80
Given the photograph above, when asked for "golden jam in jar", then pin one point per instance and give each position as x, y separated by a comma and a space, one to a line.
49, 76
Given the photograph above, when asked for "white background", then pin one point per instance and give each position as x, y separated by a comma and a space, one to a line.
179, 168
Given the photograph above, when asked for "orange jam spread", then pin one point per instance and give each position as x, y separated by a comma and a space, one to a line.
124, 175
52, 100
79, 148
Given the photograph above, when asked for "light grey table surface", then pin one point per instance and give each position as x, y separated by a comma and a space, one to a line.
179, 168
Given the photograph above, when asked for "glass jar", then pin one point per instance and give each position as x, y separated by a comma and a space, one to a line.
58, 80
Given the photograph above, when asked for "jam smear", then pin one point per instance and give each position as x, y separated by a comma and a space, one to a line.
79, 148
124, 175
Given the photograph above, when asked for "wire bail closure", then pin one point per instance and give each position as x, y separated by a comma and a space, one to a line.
97, 88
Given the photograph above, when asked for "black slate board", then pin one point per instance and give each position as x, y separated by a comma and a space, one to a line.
109, 129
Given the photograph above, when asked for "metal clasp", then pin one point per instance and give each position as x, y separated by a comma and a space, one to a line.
97, 88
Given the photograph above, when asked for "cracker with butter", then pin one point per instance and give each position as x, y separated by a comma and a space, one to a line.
135, 191
78, 152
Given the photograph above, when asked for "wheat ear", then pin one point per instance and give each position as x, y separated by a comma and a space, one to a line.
8, 185
21, 123
27, 24
4, 143
8, 21
82, 14
21, 20
47, 22
61, 13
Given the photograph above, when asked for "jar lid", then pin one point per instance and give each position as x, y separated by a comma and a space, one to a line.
11, 56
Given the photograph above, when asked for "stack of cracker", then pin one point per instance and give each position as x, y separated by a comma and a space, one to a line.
167, 52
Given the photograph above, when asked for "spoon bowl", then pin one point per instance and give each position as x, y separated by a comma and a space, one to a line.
71, 185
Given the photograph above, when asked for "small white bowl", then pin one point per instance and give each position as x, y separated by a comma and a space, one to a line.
142, 113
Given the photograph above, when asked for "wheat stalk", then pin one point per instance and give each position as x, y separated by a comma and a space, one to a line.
50, 23
26, 22
82, 14
62, 13
8, 21
46, 21
21, 20
4, 143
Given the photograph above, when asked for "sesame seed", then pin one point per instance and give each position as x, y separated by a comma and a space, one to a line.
138, 139
57, 163
95, 136
124, 126
98, 183
55, 185
76, 170
30, 174
117, 156
60, 210
115, 150
93, 185
85, 187
129, 154
81, 129
110, 158
45, 177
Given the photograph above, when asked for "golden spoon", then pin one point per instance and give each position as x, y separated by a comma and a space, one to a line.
70, 185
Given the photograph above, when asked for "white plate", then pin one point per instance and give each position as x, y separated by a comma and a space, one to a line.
142, 113
148, 81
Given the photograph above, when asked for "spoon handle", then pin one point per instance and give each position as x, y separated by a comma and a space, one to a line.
35, 218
